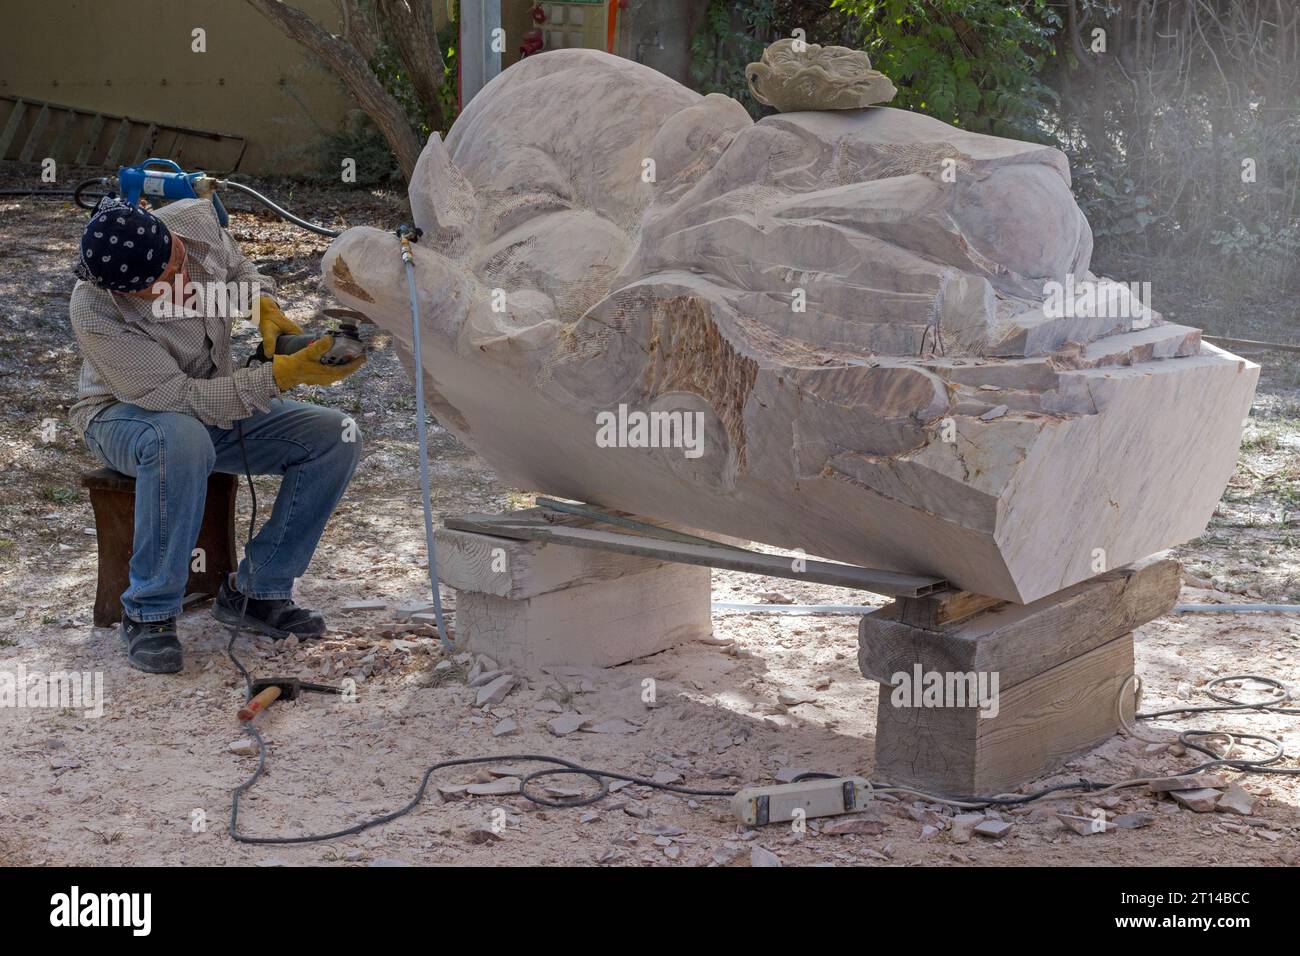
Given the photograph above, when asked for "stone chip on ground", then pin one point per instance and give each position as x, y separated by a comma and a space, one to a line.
760, 856
1236, 799
353, 606
1191, 781
723, 855
500, 787
1084, 826
496, 691
1201, 800
993, 829
565, 724
616, 726
963, 825
1133, 821
482, 677
860, 826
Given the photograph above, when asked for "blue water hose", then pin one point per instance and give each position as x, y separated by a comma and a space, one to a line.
405, 234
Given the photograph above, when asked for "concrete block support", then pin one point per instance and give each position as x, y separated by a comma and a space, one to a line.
529, 604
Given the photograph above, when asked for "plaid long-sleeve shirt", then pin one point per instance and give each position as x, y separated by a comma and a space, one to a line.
179, 362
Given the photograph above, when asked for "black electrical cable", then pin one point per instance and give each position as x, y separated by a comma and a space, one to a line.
1272, 705
279, 210
559, 765
602, 777
79, 193
38, 193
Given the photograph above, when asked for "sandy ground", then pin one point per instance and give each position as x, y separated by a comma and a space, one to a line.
149, 781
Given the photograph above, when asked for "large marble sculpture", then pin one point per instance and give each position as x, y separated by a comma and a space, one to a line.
873, 313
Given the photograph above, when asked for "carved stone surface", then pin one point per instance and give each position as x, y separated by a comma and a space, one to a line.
814, 77
851, 304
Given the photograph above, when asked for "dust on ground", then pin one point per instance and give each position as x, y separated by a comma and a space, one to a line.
149, 781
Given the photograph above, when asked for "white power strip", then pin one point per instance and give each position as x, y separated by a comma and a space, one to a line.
757, 806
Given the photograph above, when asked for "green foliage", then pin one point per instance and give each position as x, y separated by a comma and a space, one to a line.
972, 63
387, 66
1262, 253
449, 44
1112, 201
376, 164
730, 38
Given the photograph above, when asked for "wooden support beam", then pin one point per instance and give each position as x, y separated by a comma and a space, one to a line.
119, 142
1055, 668
64, 136
145, 148
1039, 724
1021, 640
34, 136
91, 141
11, 127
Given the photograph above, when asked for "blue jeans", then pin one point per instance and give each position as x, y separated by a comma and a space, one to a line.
170, 455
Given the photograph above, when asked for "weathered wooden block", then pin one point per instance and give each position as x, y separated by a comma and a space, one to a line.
529, 604
980, 706
112, 497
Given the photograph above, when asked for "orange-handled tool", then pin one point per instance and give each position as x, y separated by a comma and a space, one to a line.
267, 690
259, 703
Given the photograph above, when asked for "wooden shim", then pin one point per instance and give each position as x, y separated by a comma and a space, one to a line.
819, 572
936, 610
1040, 724
1021, 641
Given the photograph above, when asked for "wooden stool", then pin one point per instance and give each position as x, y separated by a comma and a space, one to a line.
112, 496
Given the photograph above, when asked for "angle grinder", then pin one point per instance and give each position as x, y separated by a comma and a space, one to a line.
344, 326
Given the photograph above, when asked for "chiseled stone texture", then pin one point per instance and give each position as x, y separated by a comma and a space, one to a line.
925, 413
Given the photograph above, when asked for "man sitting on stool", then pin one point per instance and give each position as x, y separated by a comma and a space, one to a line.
160, 400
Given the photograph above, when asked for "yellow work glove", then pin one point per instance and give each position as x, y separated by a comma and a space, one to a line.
271, 321
304, 366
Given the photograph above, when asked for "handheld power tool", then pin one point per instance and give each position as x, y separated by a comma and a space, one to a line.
344, 326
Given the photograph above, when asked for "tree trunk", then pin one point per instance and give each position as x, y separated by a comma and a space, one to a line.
361, 26
411, 30
350, 66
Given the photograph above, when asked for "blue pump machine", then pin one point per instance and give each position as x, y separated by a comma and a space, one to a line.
164, 179
169, 182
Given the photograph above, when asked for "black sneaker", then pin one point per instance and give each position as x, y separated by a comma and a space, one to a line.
278, 619
152, 646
